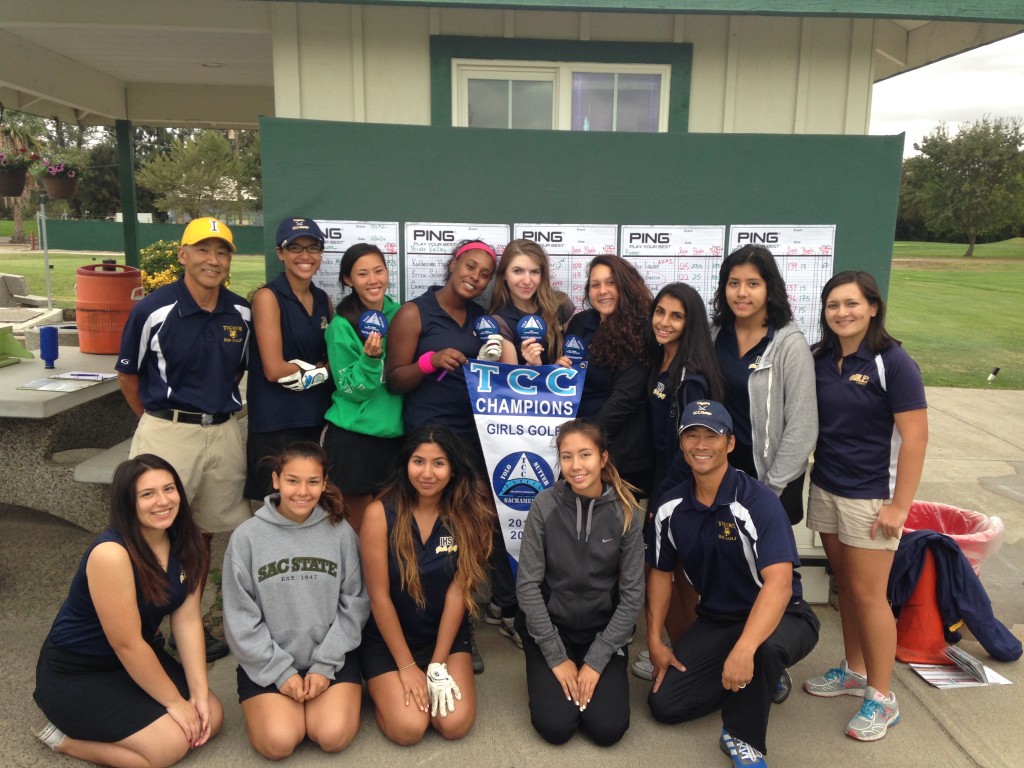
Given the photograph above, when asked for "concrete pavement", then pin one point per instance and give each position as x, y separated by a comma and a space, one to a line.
975, 460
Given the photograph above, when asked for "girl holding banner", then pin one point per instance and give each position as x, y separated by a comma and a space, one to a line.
364, 422
580, 588
424, 545
522, 287
430, 340
614, 330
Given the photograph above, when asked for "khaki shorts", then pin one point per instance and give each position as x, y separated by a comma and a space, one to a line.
850, 518
211, 464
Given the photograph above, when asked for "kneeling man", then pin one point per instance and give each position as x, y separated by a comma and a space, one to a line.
734, 541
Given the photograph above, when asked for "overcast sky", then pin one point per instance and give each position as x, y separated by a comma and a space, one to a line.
986, 81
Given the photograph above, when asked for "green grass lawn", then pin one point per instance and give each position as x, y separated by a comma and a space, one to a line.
957, 317
247, 272
7, 227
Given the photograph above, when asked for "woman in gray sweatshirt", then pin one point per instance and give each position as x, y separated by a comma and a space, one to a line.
294, 610
580, 588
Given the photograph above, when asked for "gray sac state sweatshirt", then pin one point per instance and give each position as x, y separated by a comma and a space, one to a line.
294, 597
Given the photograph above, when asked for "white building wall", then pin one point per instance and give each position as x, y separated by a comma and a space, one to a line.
750, 74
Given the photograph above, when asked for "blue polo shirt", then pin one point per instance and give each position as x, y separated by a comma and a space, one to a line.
271, 406
444, 400
736, 371
723, 548
857, 437
185, 357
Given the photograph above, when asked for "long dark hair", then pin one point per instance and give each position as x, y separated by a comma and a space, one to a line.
624, 491
623, 332
695, 353
351, 306
186, 540
330, 497
549, 301
463, 509
877, 338
778, 309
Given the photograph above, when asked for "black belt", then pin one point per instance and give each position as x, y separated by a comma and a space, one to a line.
187, 417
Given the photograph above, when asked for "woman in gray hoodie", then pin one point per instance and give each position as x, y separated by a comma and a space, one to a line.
769, 375
294, 610
580, 588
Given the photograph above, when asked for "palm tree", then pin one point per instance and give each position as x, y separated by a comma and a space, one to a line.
16, 130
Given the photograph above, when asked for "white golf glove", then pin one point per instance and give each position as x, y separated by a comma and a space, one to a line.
307, 376
441, 688
491, 350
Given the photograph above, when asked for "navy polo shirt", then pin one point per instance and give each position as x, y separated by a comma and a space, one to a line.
857, 438
736, 371
723, 548
437, 562
444, 400
271, 406
185, 357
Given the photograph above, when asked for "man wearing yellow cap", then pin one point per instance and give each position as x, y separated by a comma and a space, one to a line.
183, 352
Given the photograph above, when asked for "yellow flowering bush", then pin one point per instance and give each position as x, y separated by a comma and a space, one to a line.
160, 266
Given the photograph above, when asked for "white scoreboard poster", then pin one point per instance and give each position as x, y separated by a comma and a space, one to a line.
570, 248
339, 235
670, 254
428, 248
805, 257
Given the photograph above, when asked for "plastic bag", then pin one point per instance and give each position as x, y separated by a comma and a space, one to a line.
978, 535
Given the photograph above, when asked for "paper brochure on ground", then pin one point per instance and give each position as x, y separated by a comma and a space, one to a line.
968, 671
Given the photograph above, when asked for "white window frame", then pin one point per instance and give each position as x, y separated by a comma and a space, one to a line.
559, 73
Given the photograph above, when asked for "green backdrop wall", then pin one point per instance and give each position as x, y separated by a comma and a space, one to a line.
360, 171
109, 235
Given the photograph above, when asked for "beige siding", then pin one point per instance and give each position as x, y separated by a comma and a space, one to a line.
750, 74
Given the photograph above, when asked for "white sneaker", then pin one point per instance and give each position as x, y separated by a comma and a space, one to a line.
643, 667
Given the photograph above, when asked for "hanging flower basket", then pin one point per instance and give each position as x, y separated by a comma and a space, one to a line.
60, 187
12, 182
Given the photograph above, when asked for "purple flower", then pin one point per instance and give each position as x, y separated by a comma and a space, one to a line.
71, 174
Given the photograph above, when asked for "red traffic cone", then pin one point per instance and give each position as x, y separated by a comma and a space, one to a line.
919, 635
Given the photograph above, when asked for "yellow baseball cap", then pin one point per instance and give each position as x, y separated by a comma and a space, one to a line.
207, 227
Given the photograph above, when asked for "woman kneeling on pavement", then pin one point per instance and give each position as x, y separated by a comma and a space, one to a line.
110, 692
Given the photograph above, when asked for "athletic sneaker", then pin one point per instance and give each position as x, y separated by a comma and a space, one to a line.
783, 688
877, 714
643, 667
838, 681
474, 652
743, 755
506, 624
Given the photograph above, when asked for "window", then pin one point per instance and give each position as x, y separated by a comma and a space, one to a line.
569, 85
576, 96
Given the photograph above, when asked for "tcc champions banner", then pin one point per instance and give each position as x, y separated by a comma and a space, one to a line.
518, 411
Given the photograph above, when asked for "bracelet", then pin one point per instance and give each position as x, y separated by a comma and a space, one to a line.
424, 363
410, 664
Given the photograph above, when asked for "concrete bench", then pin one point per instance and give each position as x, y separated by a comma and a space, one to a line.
99, 466
30, 300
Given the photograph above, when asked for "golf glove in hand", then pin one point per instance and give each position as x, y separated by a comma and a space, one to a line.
307, 376
441, 688
491, 350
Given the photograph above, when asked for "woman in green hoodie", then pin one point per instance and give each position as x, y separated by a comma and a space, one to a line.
364, 423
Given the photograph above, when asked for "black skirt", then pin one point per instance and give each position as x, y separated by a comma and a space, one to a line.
360, 464
94, 698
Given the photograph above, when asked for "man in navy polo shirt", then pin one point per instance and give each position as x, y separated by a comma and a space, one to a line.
736, 546
183, 351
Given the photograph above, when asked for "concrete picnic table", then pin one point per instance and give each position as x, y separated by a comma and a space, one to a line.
44, 435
